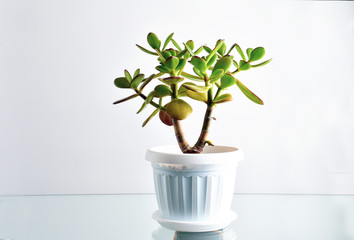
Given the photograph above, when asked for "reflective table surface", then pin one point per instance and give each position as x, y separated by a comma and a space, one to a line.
128, 217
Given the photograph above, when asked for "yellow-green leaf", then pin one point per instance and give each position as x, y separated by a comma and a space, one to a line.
257, 54
178, 109
168, 39
153, 41
253, 97
121, 82
199, 63
162, 91
227, 81
223, 98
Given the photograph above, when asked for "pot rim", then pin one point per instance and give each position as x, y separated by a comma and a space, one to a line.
212, 155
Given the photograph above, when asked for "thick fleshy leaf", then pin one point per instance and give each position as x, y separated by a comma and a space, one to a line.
178, 109
257, 54
153, 41
127, 98
189, 50
244, 66
216, 75
165, 118
162, 69
249, 50
223, 63
127, 75
181, 53
262, 64
168, 39
199, 50
190, 44
172, 52
121, 82
146, 82
199, 73
151, 116
172, 80
176, 44
172, 62
199, 63
145, 50
162, 91
223, 98
213, 52
136, 81
222, 48
192, 77
207, 49
143, 106
136, 73
239, 50
227, 81
199, 96
166, 54
235, 63
181, 64
212, 61
193, 87
253, 97
150, 97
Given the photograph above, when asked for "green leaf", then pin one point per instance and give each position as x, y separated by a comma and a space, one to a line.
153, 41
239, 50
192, 77
127, 98
199, 96
121, 82
150, 97
212, 60
223, 98
178, 109
180, 54
146, 82
253, 97
216, 75
235, 63
136, 81
172, 51
244, 66
199, 73
181, 64
190, 44
257, 54
168, 39
182, 91
193, 87
214, 50
190, 51
227, 81
166, 54
162, 91
127, 75
162, 69
199, 63
143, 106
136, 73
207, 49
223, 63
176, 44
262, 64
249, 50
151, 116
171, 80
145, 50
222, 48
199, 50
172, 62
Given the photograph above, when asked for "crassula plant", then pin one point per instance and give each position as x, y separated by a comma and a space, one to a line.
214, 71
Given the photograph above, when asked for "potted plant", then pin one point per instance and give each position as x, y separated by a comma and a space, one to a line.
194, 191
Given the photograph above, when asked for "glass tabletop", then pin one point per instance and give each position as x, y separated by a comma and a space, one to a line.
67, 217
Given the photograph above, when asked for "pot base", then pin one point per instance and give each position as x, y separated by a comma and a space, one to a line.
185, 226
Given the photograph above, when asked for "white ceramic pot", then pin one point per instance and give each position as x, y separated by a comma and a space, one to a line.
194, 191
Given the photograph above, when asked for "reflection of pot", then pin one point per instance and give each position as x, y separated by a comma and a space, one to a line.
194, 191
166, 234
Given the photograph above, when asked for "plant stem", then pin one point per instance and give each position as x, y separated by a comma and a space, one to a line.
152, 103
198, 147
183, 144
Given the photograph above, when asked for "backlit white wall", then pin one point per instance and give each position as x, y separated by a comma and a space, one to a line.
60, 133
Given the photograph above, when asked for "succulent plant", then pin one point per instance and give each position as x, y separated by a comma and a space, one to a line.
214, 71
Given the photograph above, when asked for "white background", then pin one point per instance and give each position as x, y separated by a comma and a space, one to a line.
60, 133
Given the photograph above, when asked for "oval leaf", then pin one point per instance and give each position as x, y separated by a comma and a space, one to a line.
223, 63
227, 97
199, 63
262, 64
172, 62
168, 39
193, 87
178, 109
162, 69
153, 41
227, 81
244, 66
151, 116
137, 80
121, 82
190, 44
249, 50
239, 50
162, 91
199, 96
216, 75
136, 73
127, 75
253, 97
222, 48
165, 118
257, 54
171, 80
181, 64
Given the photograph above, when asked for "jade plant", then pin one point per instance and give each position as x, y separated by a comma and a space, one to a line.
214, 72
